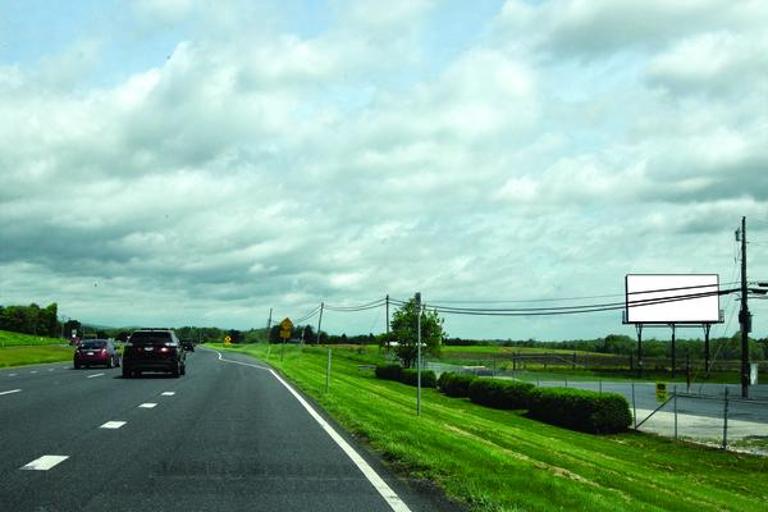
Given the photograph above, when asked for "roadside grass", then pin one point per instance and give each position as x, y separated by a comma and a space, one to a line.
497, 460
12, 339
24, 355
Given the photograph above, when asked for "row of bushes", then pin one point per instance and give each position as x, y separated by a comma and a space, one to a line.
588, 411
406, 375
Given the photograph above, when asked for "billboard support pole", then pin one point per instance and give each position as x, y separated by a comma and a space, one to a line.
639, 328
674, 352
707, 327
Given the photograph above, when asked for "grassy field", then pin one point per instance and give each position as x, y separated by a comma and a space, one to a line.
23, 355
498, 357
12, 339
502, 461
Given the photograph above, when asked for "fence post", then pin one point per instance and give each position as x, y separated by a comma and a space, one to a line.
725, 421
634, 407
328, 371
566, 381
600, 384
674, 403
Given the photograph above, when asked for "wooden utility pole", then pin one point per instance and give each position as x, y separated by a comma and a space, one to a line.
320, 321
745, 318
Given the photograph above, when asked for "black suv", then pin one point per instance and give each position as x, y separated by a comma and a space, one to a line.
153, 350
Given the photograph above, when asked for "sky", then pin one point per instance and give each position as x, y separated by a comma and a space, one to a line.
183, 162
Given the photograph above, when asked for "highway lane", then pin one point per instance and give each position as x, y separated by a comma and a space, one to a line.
224, 437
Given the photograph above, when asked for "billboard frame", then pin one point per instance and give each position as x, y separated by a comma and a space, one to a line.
639, 326
661, 323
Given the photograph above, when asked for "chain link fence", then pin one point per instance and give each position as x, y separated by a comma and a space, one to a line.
710, 414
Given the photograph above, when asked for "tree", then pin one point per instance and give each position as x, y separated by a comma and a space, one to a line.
404, 332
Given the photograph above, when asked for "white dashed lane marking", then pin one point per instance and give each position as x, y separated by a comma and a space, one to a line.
10, 391
148, 405
45, 462
33, 371
94, 375
113, 424
168, 393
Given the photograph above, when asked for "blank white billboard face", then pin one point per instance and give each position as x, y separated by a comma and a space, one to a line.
670, 290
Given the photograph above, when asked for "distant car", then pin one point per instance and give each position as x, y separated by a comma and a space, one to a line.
153, 350
188, 345
96, 352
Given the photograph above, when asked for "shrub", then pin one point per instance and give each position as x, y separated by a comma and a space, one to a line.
389, 371
578, 409
409, 376
455, 384
501, 394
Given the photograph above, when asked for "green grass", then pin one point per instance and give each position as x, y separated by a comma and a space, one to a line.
502, 461
500, 358
23, 355
12, 339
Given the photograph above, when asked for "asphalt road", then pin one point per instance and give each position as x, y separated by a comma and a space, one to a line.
226, 436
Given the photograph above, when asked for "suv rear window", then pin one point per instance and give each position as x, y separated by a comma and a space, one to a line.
94, 344
146, 338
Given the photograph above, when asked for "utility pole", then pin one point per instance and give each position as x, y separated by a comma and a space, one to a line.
269, 326
320, 321
745, 319
386, 340
418, 353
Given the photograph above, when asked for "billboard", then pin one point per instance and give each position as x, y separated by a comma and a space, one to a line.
672, 298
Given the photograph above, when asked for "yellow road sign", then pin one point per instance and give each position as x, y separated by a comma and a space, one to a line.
227, 340
285, 334
286, 324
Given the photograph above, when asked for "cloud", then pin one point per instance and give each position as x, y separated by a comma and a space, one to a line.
262, 167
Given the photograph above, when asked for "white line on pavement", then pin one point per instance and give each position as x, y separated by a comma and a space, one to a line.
148, 405
240, 362
12, 374
50, 369
113, 424
94, 375
167, 393
393, 500
45, 462
33, 371
10, 391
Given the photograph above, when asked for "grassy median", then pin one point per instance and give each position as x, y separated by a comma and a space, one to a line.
23, 349
502, 461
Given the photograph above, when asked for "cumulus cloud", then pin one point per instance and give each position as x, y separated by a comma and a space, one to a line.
258, 166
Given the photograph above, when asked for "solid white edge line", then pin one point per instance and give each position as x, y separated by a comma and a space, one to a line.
94, 375
148, 405
240, 362
113, 425
393, 500
45, 462
10, 391
386, 492
167, 393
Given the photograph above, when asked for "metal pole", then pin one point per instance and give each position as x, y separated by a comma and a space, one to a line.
639, 328
566, 381
706, 347
328, 372
744, 316
674, 403
320, 321
725, 421
269, 326
600, 382
634, 407
674, 352
418, 354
